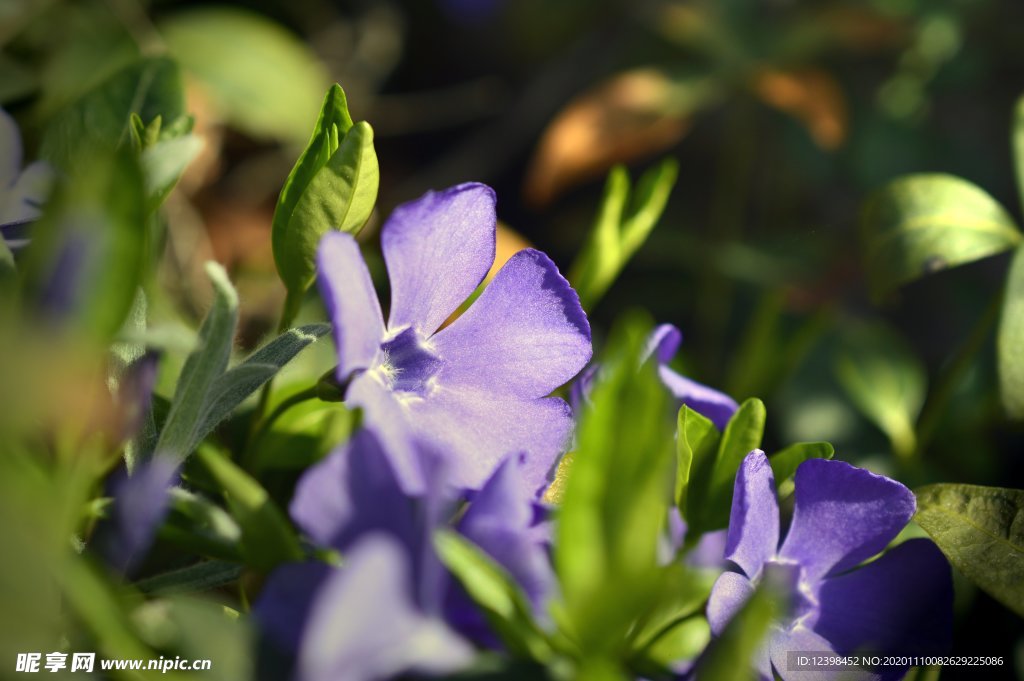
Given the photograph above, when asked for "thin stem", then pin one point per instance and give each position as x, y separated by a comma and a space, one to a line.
953, 375
289, 312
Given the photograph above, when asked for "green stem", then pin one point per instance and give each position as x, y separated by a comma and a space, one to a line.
952, 376
289, 312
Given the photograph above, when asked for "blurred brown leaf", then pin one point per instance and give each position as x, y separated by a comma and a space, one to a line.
810, 95
632, 115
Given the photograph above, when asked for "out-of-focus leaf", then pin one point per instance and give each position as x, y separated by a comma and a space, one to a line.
496, 593
623, 224
885, 381
16, 81
696, 446
267, 537
785, 462
232, 387
631, 116
264, 79
150, 87
812, 96
981, 531
682, 641
163, 163
87, 256
615, 501
332, 186
210, 574
730, 657
197, 525
1010, 341
1017, 140
683, 592
920, 224
202, 369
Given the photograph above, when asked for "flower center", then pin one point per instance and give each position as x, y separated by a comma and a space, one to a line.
793, 596
407, 365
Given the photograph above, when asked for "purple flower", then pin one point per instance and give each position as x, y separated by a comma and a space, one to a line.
662, 346
22, 192
717, 406
477, 388
353, 502
141, 501
899, 603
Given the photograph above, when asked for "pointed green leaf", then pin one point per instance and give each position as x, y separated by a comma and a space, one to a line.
497, 594
920, 224
267, 537
1010, 340
202, 369
163, 163
785, 462
742, 435
981, 531
696, 446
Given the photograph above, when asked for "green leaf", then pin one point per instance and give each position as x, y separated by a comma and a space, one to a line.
742, 435
682, 641
885, 381
163, 163
496, 593
616, 500
1017, 139
88, 250
150, 87
1010, 340
342, 177
785, 462
204, 576
231, 388
696, 448
622, 226
267, 537
197, 525
264, 80
920, 224
202, 369
730, 657
981, 531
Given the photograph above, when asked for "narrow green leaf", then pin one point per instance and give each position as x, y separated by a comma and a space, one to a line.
981, 531
616, 499
1017, 140
730, 657
742, 435
696, 446
149, 87
885, 380
197, 525
231, 388
210, 574
920, 224
267, 537
496, 593
785, 462
202, 369
647, 205
1010, 340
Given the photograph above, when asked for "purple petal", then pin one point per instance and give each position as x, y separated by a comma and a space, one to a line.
709, 551
524, 336
140, 504
715, 405
728, 595
478, 428
754, 522
579, 391
24, 200
663, 343
351, 493
901, 603
364, 625
438, 249
351, 302
801, 640
135, 392
500, 521
842, 516
282, 609
10, 150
